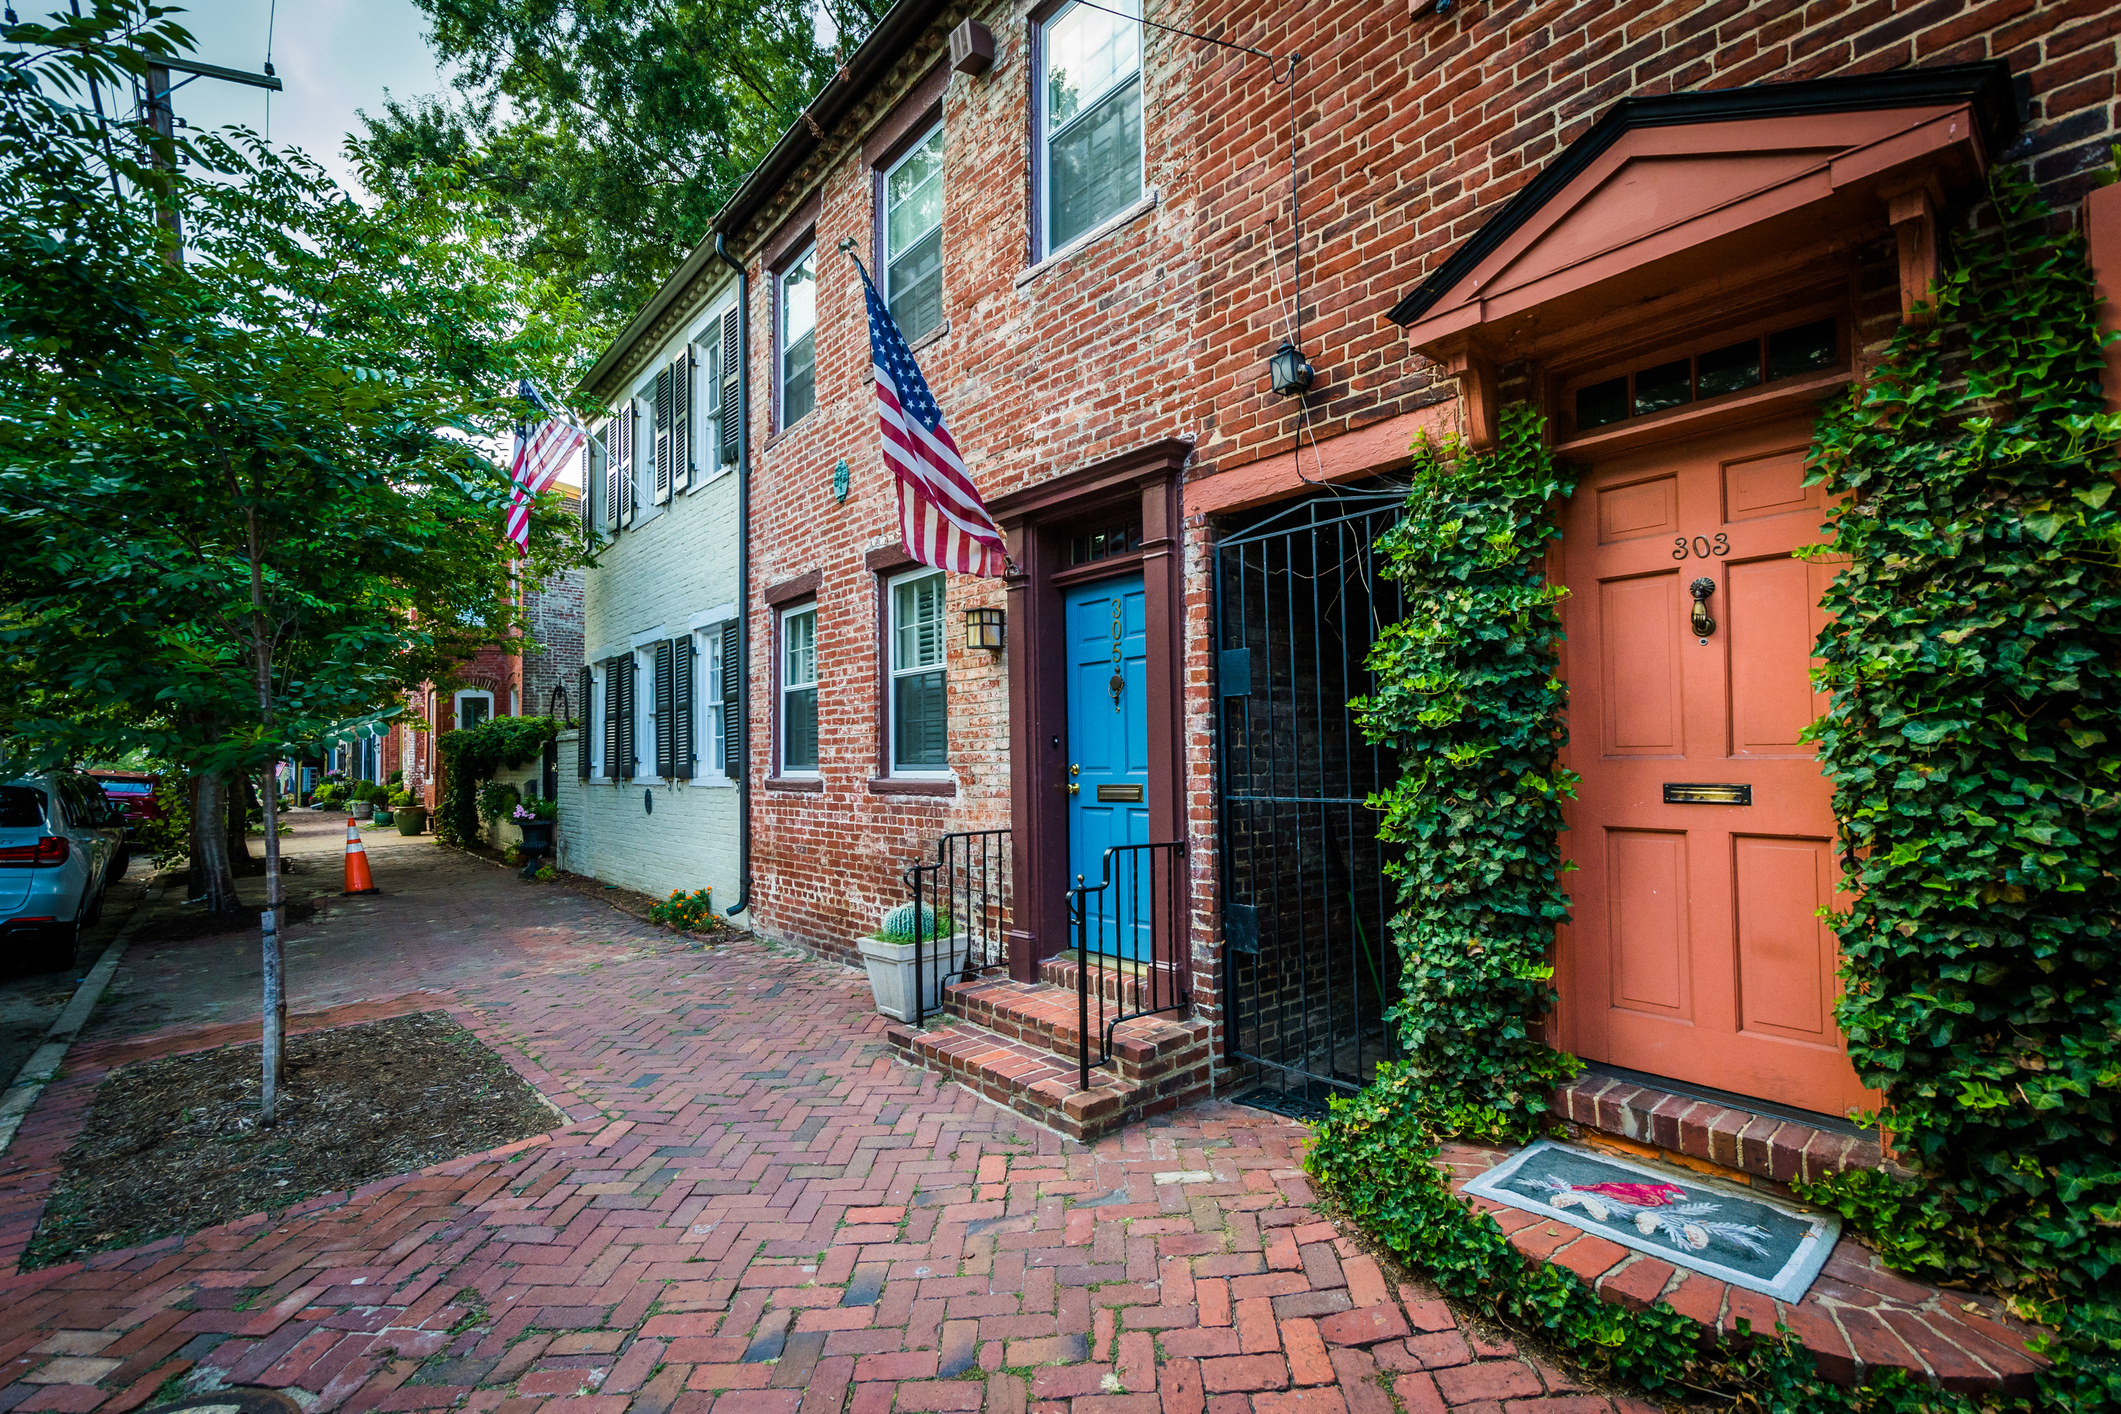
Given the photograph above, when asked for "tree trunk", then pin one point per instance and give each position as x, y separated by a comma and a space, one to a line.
213, 878
274, 1010
241, 794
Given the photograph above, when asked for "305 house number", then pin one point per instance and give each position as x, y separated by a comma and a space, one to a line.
1700, 547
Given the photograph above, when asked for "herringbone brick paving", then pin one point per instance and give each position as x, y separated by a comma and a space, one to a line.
754, 1209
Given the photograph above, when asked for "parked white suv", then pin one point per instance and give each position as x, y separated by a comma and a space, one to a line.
61, 844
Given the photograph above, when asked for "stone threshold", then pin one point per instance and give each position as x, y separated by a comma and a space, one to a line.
1856, 1318
1707, 1135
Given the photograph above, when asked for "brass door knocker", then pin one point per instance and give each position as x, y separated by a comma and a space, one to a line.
1701, 589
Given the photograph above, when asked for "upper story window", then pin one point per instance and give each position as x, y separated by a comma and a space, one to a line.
920, 737
796, 290
719, 354
913, 237
799, 690
1091, 117
473, 708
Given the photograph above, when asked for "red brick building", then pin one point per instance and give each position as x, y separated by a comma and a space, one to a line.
1676, 229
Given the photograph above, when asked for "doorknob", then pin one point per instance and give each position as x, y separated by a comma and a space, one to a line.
1075, 770
1701, 589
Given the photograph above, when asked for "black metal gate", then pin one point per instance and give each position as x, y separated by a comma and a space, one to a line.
1308, 960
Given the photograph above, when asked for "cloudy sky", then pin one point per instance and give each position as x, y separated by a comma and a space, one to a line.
335, 56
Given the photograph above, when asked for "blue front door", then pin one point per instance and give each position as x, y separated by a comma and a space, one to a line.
1108, 757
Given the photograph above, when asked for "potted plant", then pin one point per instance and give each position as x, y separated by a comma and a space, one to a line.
536, 819
889, 956
407, 813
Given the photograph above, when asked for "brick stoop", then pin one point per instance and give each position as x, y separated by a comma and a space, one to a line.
1856, 1318
1749, 1144
1016, 1044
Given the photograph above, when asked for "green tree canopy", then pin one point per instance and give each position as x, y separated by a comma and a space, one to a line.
609, 132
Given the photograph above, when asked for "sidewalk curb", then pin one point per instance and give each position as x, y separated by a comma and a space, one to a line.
43, 1065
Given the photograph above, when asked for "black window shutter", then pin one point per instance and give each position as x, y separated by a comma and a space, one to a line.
613, 697
732, 363
662, 435
614, 464
629, 745
681, 732
681, 381
664, 700
588, 504
732, 712
581, 735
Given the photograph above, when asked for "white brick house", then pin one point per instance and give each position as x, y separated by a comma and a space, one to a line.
650, 795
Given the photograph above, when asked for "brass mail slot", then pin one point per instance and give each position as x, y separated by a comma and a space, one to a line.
1133, 793
1703, 793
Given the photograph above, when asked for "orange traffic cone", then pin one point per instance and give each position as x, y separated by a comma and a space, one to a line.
358, 879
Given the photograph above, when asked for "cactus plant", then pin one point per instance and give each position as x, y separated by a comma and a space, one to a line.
900, 923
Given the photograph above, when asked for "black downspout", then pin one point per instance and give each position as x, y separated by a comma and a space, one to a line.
743, 575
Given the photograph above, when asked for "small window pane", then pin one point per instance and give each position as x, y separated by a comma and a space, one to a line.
799, 641
1087, 52
1097, 165
1726, 370
1804, 349
1668, 385
917, 612
471, 711
799, 691
799, 730
917, 287
799, 354
1601, 403
919, 721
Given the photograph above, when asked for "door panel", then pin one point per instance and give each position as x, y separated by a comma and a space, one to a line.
1693, 949
1108, 741
1641, 665
1647, 893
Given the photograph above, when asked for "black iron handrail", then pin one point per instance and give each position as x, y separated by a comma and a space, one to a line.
1129, 938
963, 894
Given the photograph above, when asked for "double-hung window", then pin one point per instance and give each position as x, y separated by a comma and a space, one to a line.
720, 351
796, 291
1090, 94
798, 674
920, 738
712, 756
913, 237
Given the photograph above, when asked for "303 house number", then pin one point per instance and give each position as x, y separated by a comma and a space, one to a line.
1700, 547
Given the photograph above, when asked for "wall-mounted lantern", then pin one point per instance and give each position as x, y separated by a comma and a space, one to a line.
1288, 371
983, 628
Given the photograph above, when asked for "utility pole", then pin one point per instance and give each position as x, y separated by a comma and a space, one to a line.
160, 116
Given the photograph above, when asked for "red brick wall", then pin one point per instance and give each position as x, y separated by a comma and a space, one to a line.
1416, 128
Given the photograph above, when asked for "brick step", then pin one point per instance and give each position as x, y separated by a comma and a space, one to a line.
1050, 1018
1158, 1063
1121, 985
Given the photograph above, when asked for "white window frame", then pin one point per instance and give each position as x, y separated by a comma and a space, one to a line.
1042, 132
782, 687
593, 719
893, 672
644, 689
707, 692
463, 695
883, 204
781, 421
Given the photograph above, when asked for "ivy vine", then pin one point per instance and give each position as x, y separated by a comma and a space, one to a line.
475, 753
1469, 695
1974, 656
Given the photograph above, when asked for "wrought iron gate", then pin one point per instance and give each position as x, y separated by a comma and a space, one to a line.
1308, 960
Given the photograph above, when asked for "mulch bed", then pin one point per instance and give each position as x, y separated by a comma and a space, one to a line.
172, 1146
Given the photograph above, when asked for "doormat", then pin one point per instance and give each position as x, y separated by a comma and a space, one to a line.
1717, 1229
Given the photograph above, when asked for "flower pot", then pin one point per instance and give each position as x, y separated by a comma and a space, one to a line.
537, 836
410, 819
891, 972
364, 810
384, 817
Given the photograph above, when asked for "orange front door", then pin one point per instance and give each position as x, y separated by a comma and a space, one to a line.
1695, 950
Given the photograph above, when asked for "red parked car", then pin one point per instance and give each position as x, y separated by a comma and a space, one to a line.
132, 792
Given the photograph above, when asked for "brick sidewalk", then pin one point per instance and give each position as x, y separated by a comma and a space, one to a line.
753, 1210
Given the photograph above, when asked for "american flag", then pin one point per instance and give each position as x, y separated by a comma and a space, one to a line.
942, 520
540, 453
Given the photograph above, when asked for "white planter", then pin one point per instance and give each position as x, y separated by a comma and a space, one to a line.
364, 810
891, 972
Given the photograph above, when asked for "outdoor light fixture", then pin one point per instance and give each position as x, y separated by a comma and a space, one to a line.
983, 628
1289, 371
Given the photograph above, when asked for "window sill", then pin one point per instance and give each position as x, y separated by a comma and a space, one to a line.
702, 480
781, 436
810, 784
928, 338
1091, 237
911, 785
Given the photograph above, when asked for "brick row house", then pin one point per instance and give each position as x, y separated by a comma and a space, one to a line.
1675, 230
